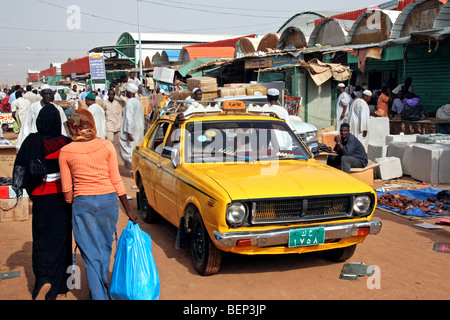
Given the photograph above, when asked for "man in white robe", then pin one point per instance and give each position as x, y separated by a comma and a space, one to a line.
343, 105
99, 115
283, 138
19, 107
29, 122
359, 117
133, 125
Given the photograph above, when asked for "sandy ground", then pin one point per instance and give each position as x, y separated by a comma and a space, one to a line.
408, 266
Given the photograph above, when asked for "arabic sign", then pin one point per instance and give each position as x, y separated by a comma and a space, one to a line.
6, 118
97, 65
258, 63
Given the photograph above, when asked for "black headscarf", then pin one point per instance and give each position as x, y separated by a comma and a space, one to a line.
48, 122
31, 166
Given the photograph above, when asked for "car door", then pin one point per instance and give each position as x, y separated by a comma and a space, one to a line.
167, 183
152, 153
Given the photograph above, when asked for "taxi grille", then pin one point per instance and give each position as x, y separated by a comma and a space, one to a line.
303, 209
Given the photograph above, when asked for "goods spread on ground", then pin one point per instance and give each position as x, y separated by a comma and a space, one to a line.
433, 205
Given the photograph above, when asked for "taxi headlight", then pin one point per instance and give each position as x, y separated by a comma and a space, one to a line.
361, 205
311, 135
236, 213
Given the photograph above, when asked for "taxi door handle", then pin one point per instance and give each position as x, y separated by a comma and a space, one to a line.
159, 165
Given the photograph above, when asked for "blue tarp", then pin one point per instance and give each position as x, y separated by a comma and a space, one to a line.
419, 194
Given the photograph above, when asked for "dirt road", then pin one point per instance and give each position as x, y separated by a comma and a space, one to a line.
408, 266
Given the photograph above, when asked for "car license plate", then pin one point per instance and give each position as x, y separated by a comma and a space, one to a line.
306, 237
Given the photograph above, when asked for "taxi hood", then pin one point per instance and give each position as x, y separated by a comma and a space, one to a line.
285, 178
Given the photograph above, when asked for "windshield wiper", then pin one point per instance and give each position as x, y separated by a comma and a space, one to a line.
234, 154
285, 155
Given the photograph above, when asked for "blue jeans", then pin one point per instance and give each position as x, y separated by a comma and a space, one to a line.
94, 224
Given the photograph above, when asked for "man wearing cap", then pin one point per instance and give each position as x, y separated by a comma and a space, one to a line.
98, 113
272, 97
133, 125
343, 105
359, 117
284, 140
194, 98
29, 121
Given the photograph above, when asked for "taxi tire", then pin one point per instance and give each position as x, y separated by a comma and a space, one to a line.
340, 254
149, 215
206, 257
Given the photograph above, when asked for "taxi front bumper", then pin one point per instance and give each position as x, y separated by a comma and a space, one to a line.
280, 237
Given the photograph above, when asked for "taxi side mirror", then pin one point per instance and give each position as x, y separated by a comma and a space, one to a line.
173, 154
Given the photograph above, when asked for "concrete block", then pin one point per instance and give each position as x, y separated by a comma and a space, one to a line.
378, 130
426, 162
444, 165
401, 138
397, 149
375, 151
390, 168
407, 159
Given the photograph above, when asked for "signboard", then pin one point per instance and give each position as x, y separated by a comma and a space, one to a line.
97, 65
258, 63
279, 61
163, 74
6, 118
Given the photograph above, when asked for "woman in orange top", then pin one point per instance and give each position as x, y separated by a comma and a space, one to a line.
91, 182
383, 103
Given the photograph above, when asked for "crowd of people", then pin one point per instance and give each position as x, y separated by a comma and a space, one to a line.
67, 161
69, 168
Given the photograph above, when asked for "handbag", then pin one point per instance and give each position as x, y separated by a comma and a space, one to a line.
134, 275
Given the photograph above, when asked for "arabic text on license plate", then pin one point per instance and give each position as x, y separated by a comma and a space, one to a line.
306, 237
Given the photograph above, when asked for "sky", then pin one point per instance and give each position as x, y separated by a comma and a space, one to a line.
36, 33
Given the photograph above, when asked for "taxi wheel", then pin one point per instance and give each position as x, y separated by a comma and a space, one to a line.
206, 256
149, 215
341, 254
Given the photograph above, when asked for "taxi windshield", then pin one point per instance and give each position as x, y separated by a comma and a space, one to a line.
231, 141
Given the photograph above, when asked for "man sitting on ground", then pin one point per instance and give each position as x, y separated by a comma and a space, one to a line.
350, 151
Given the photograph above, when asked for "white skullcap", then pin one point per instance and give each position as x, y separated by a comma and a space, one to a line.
195, 90
161, 91
341, 85
45, 86
131, 87
273, 92
367, 93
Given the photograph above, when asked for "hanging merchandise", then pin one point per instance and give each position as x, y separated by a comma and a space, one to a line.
134, 275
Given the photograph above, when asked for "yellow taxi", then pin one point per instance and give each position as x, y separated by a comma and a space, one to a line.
238, 179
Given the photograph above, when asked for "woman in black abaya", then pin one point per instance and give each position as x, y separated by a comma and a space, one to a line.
37, 170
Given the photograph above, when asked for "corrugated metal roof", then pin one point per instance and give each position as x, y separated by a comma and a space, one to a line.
170, 55
397, 28
180, 37
345, 26
305, 21
391, 14
443, 18
209, 52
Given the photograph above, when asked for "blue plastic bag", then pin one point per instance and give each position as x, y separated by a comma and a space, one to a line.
134, 275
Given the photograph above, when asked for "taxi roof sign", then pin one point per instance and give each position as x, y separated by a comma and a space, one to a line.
233, 105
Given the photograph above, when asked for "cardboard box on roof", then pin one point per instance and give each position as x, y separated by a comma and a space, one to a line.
210, 96
178, 95
206, 84
232, 91
236, 85
256, 89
